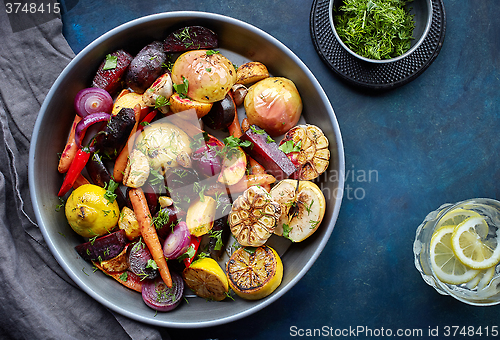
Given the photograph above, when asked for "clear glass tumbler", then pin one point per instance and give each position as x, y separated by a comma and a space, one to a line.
481, 295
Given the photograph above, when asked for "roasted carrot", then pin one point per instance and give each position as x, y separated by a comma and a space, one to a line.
235, 127
257, 169
148, 232
70, 149
80, 180
121, 160
126, 278
249, 180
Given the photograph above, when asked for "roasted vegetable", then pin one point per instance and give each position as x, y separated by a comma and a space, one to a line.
307, 149
161, 142
112, 70
265, 151
100, 176
111, 140
179, 104
203, 75
251, 72
129, 100
274, 104
222, 113
116, 264
158, 94
190, 38
103, 248
253, 217
146, 67
200, 216
302, 208
140, 260
128, 223
137, 170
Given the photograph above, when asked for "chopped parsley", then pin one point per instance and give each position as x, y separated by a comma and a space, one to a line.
212, 52
289, 146
182, 89
111, 62
110, 191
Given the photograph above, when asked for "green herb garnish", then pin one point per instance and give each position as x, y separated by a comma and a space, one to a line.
111, 62
290, 146
110, 191
212, 52
375, 29
161, 101
182, 89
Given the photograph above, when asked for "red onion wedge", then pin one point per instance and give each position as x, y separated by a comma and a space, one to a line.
177, 241
93, 100
86, 122
158, 296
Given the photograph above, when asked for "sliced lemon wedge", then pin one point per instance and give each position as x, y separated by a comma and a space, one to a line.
207, 279
446, 266
471, 245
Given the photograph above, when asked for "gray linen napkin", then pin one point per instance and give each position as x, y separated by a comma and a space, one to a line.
37, 299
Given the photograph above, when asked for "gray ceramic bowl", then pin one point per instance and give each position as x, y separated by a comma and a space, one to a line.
241, 41
422, 11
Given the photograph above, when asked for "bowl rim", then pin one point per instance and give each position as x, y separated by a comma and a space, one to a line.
257, 305
428, 25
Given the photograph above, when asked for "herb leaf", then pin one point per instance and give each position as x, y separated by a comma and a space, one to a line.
110, 191
111, 62
182, 89
289, 147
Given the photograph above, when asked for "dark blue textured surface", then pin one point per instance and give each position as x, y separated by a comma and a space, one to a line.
431, 141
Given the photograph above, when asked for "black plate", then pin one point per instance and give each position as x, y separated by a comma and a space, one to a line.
368, 75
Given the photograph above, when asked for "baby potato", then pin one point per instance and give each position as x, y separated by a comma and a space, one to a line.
251, 72
273, 104
208, 73
178, 104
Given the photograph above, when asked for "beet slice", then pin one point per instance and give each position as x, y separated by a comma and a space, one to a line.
110, 79
190, 38
221, 114
158, 296
265, 151
139, 261
103, 248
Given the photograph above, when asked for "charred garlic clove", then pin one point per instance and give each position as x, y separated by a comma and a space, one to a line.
158, 93
253, 217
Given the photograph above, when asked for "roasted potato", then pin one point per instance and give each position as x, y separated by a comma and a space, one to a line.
251, 72
178, 104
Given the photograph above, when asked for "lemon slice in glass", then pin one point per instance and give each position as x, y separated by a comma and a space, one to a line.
472, 246
206, 279
455, 217
446, 266
482, 279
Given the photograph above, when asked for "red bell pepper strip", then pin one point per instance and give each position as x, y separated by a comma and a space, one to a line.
195, 243
81, 158
148, 119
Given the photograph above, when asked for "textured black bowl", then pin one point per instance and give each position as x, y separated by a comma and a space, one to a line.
240, 42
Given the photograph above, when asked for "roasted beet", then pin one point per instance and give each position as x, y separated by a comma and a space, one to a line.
166, 218
190, 38
111, 140
265, 151
182, 186
100, 175
140, 261
146, 67
103, 248
222, 113
110, 79
206, 161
